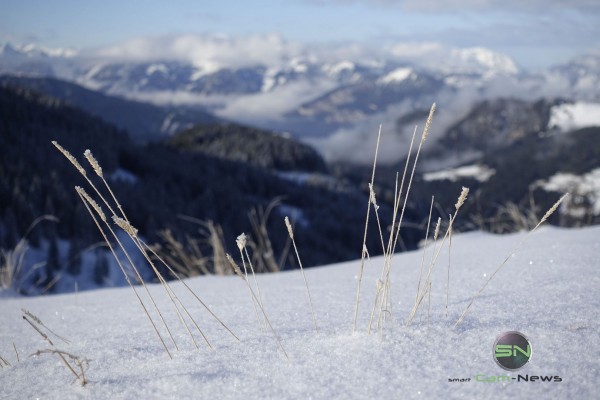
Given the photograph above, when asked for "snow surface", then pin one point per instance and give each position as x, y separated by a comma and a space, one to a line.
479, 172
548, 290
570, 116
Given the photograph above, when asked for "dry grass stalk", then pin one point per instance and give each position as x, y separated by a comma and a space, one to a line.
449, 260
263, 253
176, 276
373, 199
513, 251
425, 246
132, 232
461, 200
241, 244
79, 376
125, 274
291, 235
239, 273
39, 322
252, 298
429, 303
185, 258
364, 245
386, 302
89, 156
423, 138
387, 254
11, 261
81, 364
16, 352
3, 361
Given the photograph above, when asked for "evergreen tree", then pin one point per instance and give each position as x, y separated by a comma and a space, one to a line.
100, 267
52, 267
74, 257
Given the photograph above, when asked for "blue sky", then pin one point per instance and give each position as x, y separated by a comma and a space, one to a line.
534, 32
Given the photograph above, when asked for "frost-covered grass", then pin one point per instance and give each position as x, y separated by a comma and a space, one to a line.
548, 290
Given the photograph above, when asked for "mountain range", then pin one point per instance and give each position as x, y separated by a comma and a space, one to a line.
310, 94
219, 138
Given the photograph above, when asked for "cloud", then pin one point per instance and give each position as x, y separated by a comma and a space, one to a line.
210, 52
270, 107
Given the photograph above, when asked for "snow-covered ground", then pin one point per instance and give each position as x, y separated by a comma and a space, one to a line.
481, 173
548, 290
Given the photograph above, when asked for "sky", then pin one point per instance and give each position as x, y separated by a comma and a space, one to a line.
536, 33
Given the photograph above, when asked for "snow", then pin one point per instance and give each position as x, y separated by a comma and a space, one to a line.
339, 67
299, 65
160, 68
479, 57
479, 172
123, 175
571, 116
31, 50
548, 290
397, 75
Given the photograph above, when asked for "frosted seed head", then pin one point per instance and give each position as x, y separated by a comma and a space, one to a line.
289, 227
69, 157
462, 198
428, 122
553, 208
93, 162
241, 241
437, 228
126, 226
91, 202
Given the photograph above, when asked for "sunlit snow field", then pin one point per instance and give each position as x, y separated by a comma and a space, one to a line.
549, 291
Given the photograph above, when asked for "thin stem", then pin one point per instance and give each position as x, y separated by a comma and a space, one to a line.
125, 274
362, 258
513, 251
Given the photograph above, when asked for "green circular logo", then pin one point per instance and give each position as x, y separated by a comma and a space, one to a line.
512, 350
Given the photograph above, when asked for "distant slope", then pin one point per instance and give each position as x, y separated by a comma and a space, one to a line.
142, 121
249, 145
156, 183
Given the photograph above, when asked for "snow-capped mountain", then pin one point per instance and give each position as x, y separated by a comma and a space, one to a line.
32, 51
308, 91
211, 70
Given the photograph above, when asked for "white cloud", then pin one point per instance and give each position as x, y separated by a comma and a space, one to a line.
207, 51
270, 106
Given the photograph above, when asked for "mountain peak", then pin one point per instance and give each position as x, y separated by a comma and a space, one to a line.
33, 50
484, 60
